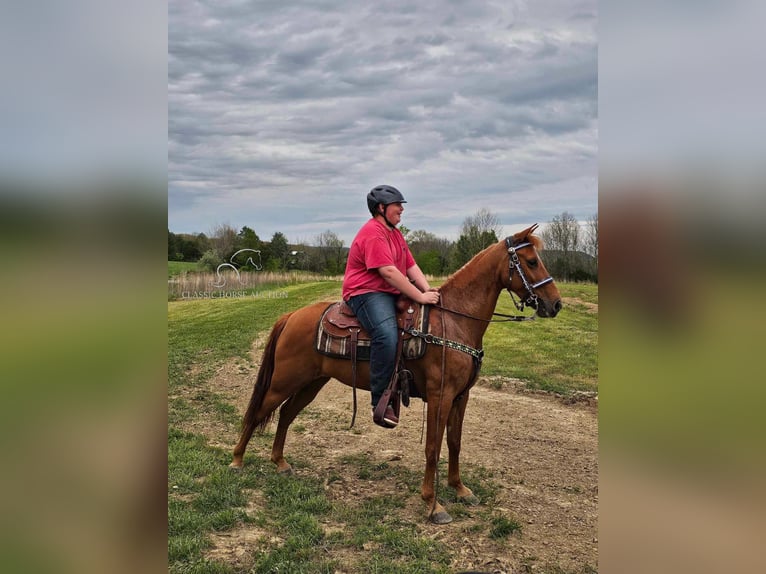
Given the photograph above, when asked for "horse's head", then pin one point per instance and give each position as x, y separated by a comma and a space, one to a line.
527, 276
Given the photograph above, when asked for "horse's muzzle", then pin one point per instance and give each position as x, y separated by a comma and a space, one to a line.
548, 309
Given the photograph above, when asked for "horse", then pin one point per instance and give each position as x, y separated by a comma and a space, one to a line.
292, 372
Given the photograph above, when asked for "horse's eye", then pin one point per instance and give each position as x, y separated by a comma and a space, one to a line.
532, 262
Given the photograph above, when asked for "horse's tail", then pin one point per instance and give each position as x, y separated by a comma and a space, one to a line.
263, 382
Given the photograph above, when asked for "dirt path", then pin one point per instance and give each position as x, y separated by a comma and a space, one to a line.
542, 453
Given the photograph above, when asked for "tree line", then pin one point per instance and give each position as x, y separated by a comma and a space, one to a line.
570, 249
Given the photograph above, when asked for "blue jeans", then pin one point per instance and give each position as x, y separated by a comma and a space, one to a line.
377, 314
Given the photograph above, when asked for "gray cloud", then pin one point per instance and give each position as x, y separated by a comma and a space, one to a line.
283, 115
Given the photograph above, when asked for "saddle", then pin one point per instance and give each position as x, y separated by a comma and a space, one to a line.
341, 335
338, 323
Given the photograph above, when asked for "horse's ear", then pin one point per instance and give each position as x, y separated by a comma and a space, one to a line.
527, 231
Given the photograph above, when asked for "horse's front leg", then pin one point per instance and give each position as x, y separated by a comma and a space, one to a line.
454, 436
436, 423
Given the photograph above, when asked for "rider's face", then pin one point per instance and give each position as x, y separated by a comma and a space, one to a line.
394, 212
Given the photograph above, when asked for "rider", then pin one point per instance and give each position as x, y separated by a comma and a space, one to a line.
380, 266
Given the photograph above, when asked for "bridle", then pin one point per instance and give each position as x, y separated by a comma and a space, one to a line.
514, 263
529, 300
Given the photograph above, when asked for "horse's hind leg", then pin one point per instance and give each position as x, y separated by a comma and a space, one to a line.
270, 402
287, 415
454, 436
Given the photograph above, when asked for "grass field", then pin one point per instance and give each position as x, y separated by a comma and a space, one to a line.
205, 497
558, 355
176, 268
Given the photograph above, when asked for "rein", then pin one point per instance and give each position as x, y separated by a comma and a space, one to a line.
508, 318
530, 300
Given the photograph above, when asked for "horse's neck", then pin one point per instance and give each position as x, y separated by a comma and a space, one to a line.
474, 290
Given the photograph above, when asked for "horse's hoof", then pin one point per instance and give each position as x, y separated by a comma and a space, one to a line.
469, 500
285, 471
235, 467
441, 517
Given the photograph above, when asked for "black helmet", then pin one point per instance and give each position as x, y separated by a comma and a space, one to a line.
384, 194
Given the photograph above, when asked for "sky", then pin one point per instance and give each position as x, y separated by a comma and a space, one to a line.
283, 115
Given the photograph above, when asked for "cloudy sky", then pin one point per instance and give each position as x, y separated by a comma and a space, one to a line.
283, 115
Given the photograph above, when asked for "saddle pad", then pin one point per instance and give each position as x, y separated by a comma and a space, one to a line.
336, 342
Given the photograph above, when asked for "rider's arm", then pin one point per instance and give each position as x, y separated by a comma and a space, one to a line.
395, 278
416, 276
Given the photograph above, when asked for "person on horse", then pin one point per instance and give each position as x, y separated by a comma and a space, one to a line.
380, 267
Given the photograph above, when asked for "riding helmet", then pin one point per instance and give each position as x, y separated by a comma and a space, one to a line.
384, 194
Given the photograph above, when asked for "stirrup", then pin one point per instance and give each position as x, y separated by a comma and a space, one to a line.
384, 414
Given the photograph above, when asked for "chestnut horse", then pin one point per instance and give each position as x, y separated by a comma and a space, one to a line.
292, 372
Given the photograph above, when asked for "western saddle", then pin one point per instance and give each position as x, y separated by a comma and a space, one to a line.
341, 335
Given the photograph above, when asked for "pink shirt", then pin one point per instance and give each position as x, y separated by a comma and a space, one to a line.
376, 245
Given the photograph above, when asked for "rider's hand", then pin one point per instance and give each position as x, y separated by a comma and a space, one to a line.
429, 298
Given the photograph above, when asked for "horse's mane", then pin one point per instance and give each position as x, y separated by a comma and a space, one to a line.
533, 239
480, 255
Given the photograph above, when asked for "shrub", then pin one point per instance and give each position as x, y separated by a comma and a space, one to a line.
210, 260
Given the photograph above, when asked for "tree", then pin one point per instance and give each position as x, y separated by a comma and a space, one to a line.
276, 252
251, 247
591, 235
203, 243
173, 250
562, 239
330, 253
478, 232
223, 241
298, 257
562, 233
431, 252
470, 242
209, 260
485, 221
183, 247
248, 239
591, 243
430, 262
189, 247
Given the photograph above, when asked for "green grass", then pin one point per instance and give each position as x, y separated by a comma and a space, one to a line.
205, 332
178, 267
205, 497
503, 527
558, 355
